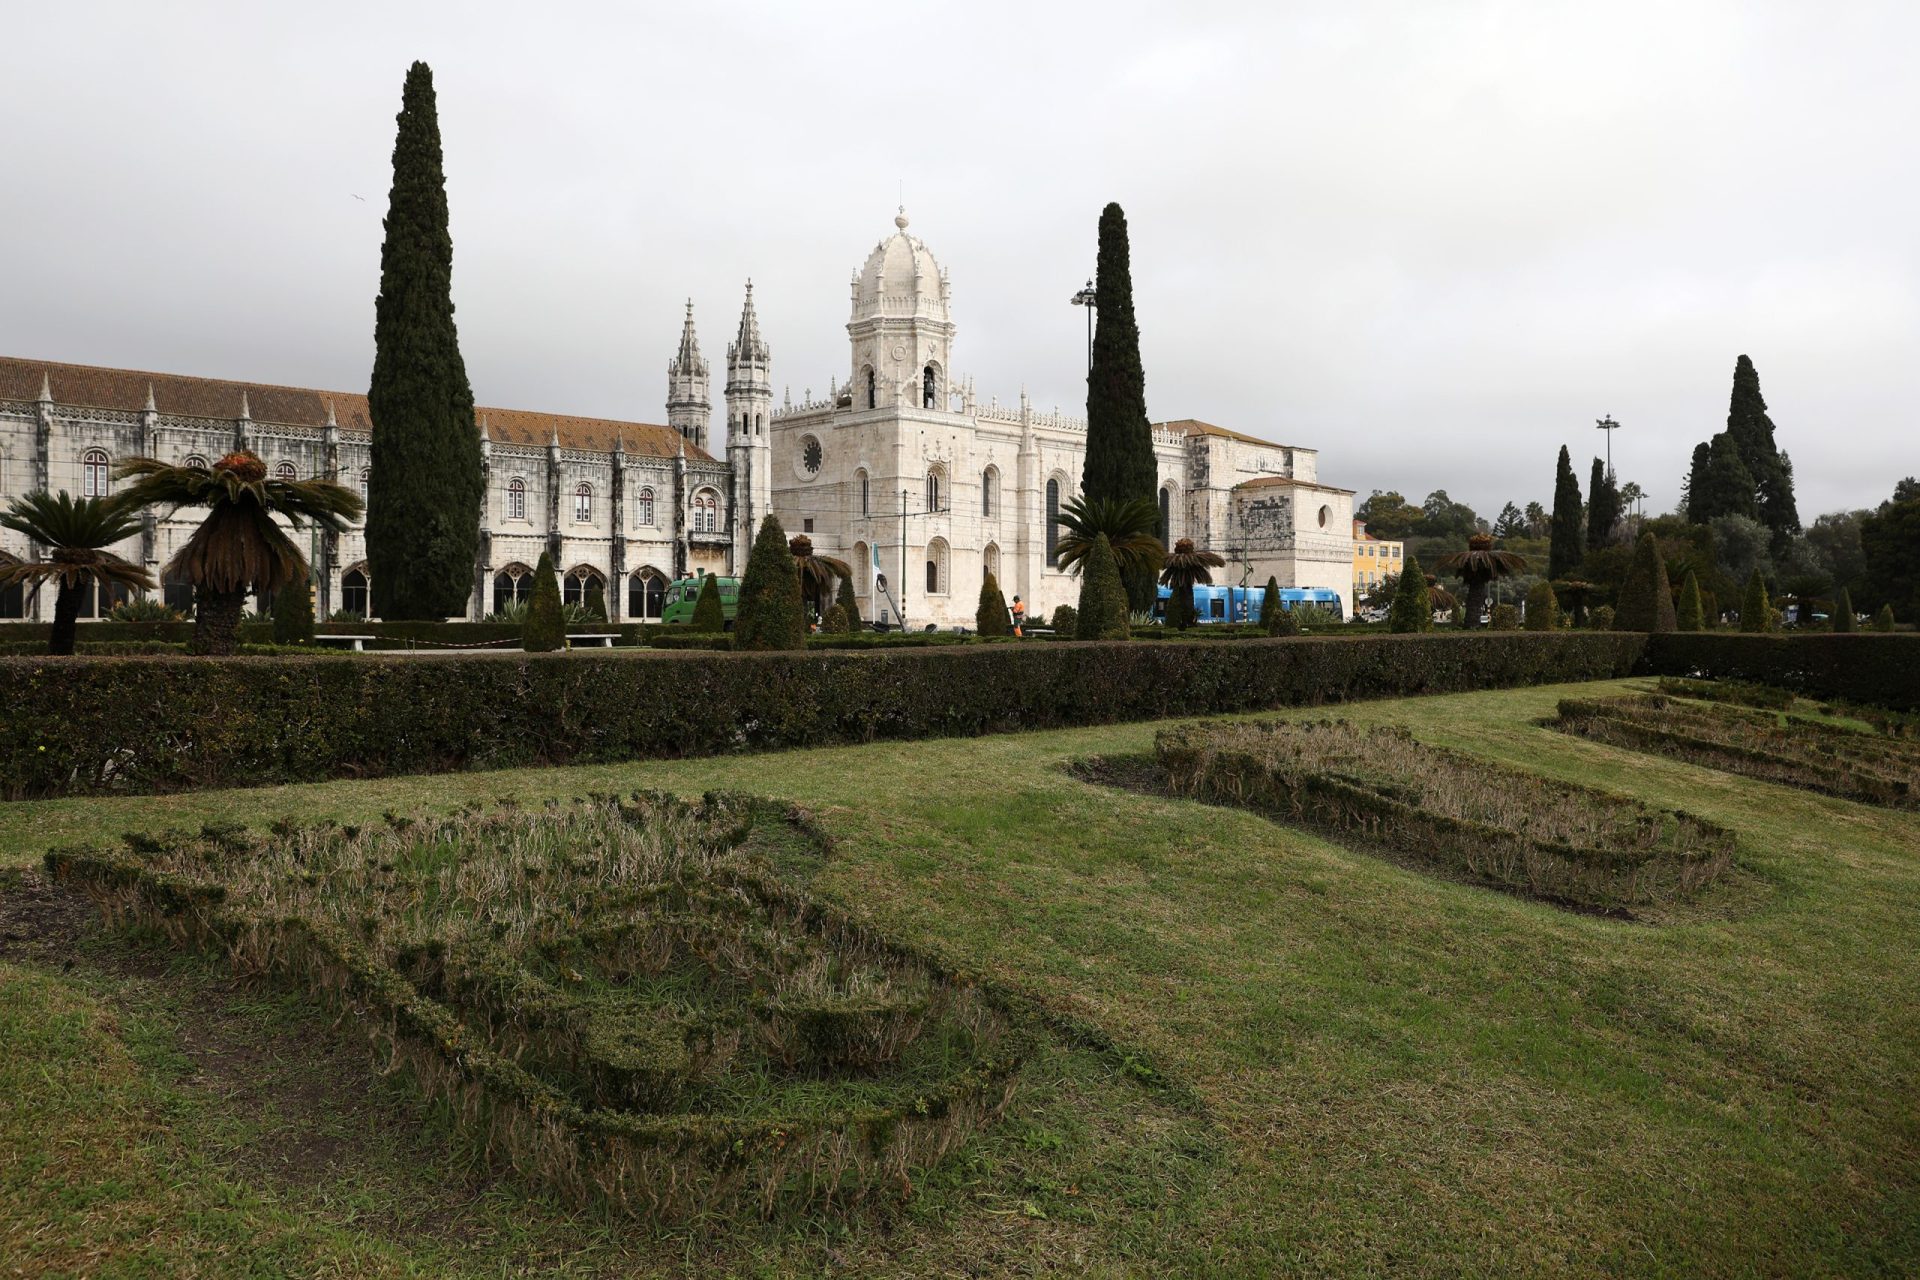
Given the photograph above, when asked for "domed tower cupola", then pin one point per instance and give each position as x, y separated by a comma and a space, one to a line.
902, 326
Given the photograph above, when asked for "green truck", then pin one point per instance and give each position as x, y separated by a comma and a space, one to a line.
684, 593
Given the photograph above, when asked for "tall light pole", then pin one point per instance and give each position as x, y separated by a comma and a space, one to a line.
1085, 298
1608, 425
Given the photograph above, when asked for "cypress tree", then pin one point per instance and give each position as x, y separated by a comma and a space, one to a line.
848, 605
1543, 610
293, 613
1646, 597
835, 622
1567, 543
1119, 462
1729, 486
1692, 615
1270, 607
1696, 485
1752, 432
990, 615
1412, 608
1603, 506
770, 614
1883, 620
709, 615
545, 628
426, 483
1103, 597
1756, 611
1842, 611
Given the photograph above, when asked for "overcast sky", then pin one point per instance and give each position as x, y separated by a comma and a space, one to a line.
1433, 240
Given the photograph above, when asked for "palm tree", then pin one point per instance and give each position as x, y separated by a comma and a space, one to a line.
1132, 526
1438, 597
76, 531
238, 548
1184, 568
1573, 593
817, 573
1477, 566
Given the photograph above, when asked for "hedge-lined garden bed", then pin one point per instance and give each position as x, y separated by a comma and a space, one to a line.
1460, 814
79, 725
615, 998
1872, 768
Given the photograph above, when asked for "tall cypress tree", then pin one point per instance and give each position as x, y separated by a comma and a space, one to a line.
1565, 550
1120, 462
423, 496
1696, 484
1752, 431
1727, 487
1603, 506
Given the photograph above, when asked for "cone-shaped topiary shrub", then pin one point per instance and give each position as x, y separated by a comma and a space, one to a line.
1600, 618
544, 630
1756, 611
848, 605
1543, 610
1412, 607
709, 615
770, 614
1883, 620
1692, 615
1646, 598
1066, 620
1103, 597
293, 613
990, 618
1842, 620
835, 622
596, 601
1506, 617
1285, 622
1270, 609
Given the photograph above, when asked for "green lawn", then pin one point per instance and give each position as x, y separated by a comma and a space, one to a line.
1394, 1073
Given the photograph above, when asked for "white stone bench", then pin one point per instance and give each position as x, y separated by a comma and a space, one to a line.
357, 643
604, 639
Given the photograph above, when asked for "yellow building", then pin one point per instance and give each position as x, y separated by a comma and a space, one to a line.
1374, 560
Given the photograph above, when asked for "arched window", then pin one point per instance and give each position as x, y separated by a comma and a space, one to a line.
866, 494
194, 460
353, 591
285, 471
933, 490
990, 559
926, 387
759, 424
937, 567
516, 499
93, 474
706, 512
1166, 514
646, 595
1053, 521
579, 584
366, 475
512, 586
873, 391
13, 596
583, 503
643, 509
989, 491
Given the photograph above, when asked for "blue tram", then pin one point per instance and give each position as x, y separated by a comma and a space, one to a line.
1243, 604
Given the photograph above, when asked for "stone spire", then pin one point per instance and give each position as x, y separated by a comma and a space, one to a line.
689, 408
46, 388
150, 406
747, 346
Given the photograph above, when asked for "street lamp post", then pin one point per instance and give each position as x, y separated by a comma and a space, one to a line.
1608, 425
1085, 298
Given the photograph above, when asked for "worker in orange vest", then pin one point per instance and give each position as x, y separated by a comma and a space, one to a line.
1019, 617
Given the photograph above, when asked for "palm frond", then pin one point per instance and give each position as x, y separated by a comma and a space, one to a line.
1131, 525
61, 520
1186, 566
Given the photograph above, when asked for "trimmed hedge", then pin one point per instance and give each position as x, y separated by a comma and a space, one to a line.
79, 725
1877, 670
387, 635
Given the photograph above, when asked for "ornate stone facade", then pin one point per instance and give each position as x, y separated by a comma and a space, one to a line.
901, 471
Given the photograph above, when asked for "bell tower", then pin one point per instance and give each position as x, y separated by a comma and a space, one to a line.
689, 411
749, 447
901, 327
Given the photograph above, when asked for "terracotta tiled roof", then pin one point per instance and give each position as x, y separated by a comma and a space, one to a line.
1284, 482
1195, 427
94, 387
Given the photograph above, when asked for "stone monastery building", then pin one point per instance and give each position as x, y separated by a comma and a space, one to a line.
900, 471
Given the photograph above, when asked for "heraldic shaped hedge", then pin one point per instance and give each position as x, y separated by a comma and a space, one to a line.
1874, 768
618, 997
1461, 814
